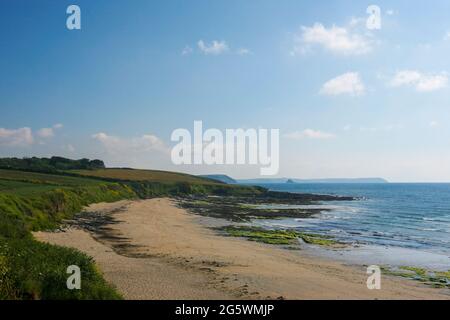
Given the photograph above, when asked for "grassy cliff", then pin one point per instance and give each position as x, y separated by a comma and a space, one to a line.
32, 201
153, 183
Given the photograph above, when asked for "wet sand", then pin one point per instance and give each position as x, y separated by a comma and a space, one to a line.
152, 249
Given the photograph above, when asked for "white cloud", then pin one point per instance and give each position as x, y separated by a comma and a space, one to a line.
117, 145
49, 132
69, 148
215, 48
24, 136
339, 40
357, 21
348, 83
309, 134
390, 12
16, 137
187, 50
422, 82
386, 128
45, 133
447, 36
405, 77
432, 83
243, 51
146, 151
434, 124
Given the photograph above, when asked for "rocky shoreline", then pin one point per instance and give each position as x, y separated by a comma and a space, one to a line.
244, 209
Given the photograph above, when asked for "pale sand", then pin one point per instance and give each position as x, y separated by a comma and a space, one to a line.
174, 257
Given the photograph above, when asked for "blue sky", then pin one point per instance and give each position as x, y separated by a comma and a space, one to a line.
349, 102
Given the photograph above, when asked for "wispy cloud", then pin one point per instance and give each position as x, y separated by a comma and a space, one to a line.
22, 137
146, 151
243, 51
420, 81
117, 145
214, 48
309, 134
385, 128
390, 12
69, 148
447, 36
349, 83
187, 50
16, 137
45, 133
338, 40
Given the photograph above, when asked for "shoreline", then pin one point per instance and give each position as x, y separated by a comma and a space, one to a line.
386, 256
153, 249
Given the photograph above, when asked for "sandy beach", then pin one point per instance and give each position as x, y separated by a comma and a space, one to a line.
152, 249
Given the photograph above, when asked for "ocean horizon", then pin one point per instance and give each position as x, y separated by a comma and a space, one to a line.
406, 218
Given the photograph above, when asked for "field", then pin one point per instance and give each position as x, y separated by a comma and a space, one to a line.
153, 183
144, 175
31, 183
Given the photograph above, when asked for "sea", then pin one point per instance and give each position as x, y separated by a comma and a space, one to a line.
392, 223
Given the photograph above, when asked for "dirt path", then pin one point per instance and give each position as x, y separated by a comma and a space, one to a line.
154, 250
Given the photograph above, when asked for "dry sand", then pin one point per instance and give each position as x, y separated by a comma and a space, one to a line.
155, 250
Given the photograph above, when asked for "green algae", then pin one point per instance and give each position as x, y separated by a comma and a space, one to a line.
435, 279
277, 237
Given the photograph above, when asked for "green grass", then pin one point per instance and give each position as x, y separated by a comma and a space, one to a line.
45, 179
34, 270
45, 210
436, 279
145, 175
23, 188
154, 183
35, 201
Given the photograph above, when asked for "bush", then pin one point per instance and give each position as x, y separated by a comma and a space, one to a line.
34, 270
52, 164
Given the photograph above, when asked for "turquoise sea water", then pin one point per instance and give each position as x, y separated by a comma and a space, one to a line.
413, 216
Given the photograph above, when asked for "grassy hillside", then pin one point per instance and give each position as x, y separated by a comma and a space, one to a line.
32, 201
153, 183
27, 183
144, 175
43, 200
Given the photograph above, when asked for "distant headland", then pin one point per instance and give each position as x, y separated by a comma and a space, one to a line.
226, 179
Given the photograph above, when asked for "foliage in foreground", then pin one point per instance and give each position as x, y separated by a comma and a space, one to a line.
33, 270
